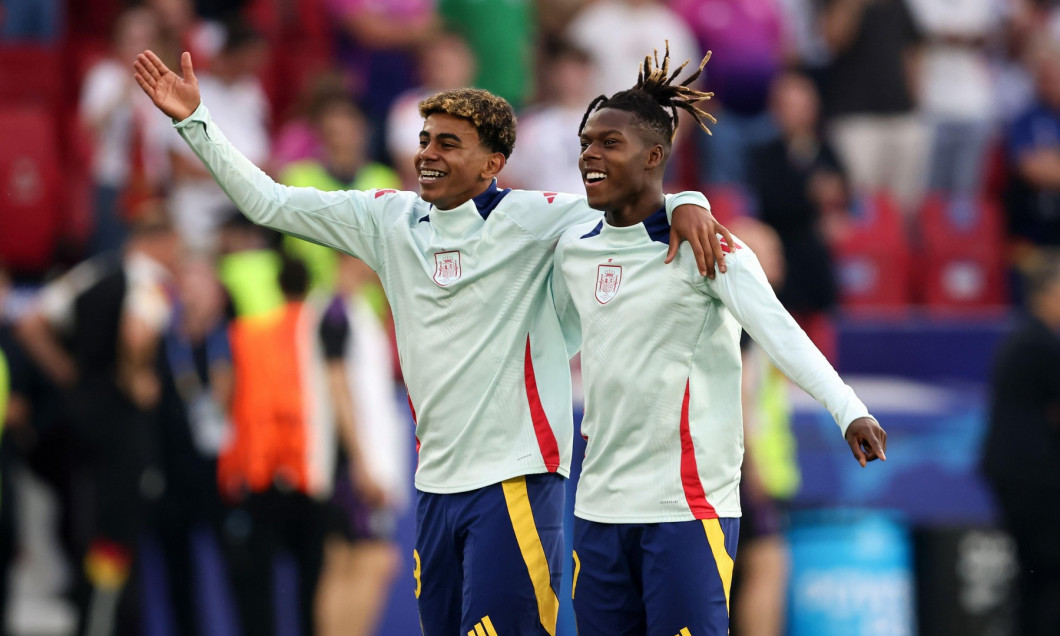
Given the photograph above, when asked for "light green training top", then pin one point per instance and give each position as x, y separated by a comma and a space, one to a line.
661, 368
479, 341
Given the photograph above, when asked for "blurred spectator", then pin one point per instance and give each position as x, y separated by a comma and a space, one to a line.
1021, 450
7, 513
221, 10
249, 266
342, 130
113, 311
444, 62
377, 51
1034, 153
196, 398
1013, 85
748, 42
869, 99
805, 47
297, 137
237, 103
546, 157
119, 117
372, 476
797, 179
553, 16
956, 90
617, 33
502, 36
31, 20
183, 30
770, 474
279, 461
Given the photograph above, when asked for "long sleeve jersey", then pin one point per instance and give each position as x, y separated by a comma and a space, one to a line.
479, 341
661, 365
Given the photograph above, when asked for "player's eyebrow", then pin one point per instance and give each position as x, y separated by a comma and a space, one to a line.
447, 136
604, 133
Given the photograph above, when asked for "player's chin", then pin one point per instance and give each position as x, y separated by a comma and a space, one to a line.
430, 192
596, 199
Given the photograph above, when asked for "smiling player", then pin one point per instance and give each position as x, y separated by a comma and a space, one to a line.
465, 266
657, 507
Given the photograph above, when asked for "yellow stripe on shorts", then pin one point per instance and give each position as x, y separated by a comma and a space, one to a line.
518, 500
577, 570
716, 539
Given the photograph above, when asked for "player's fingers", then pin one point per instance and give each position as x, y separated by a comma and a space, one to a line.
186, 67
140, 66
876, 445
699, 248
855, 447
155, 65
149, 70
675, 243
717, 250
142, 82
729, 240
142, 75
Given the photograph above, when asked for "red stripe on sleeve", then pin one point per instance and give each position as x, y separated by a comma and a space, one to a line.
413, 410
694, 495
546, 439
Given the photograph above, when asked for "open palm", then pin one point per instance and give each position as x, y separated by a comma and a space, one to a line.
175, 96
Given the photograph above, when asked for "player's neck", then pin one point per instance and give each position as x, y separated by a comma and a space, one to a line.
638, 208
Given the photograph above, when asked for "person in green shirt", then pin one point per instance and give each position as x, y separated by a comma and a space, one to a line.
342, 131
501, 34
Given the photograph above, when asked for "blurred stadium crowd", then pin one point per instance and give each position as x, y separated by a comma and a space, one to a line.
905, 155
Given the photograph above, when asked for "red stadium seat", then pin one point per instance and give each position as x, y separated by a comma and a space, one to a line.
963, 256
873, 260
31, 182
300, 35
30, 74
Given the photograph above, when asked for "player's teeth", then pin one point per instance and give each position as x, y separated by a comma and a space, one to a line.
595, 175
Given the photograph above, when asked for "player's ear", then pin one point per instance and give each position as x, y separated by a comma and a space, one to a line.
656, 156
494, 164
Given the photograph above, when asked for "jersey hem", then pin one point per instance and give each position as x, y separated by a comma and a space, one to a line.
562, 471
650, 518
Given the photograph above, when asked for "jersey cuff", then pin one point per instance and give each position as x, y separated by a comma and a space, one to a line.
681, 198
199, 114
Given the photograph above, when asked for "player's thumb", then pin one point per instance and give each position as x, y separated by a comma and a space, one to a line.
186, 67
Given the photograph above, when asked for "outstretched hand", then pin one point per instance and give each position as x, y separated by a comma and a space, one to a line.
175, 96
867, 440
698, 226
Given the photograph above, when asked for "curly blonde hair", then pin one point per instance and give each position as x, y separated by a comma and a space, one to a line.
492, 116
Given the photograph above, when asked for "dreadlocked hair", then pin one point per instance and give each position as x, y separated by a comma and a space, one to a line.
655, 98
491, 116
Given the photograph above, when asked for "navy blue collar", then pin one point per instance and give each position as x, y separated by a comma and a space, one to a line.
657, 226
486, 202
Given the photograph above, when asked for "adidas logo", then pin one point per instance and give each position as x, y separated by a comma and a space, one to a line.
483, 628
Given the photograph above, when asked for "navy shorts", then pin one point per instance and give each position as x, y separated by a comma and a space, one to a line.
488, 562
658, 579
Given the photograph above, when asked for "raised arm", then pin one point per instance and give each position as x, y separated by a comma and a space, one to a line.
175, 96
748, 295
348, 221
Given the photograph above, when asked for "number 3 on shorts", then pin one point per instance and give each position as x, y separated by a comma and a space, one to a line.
416, 572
